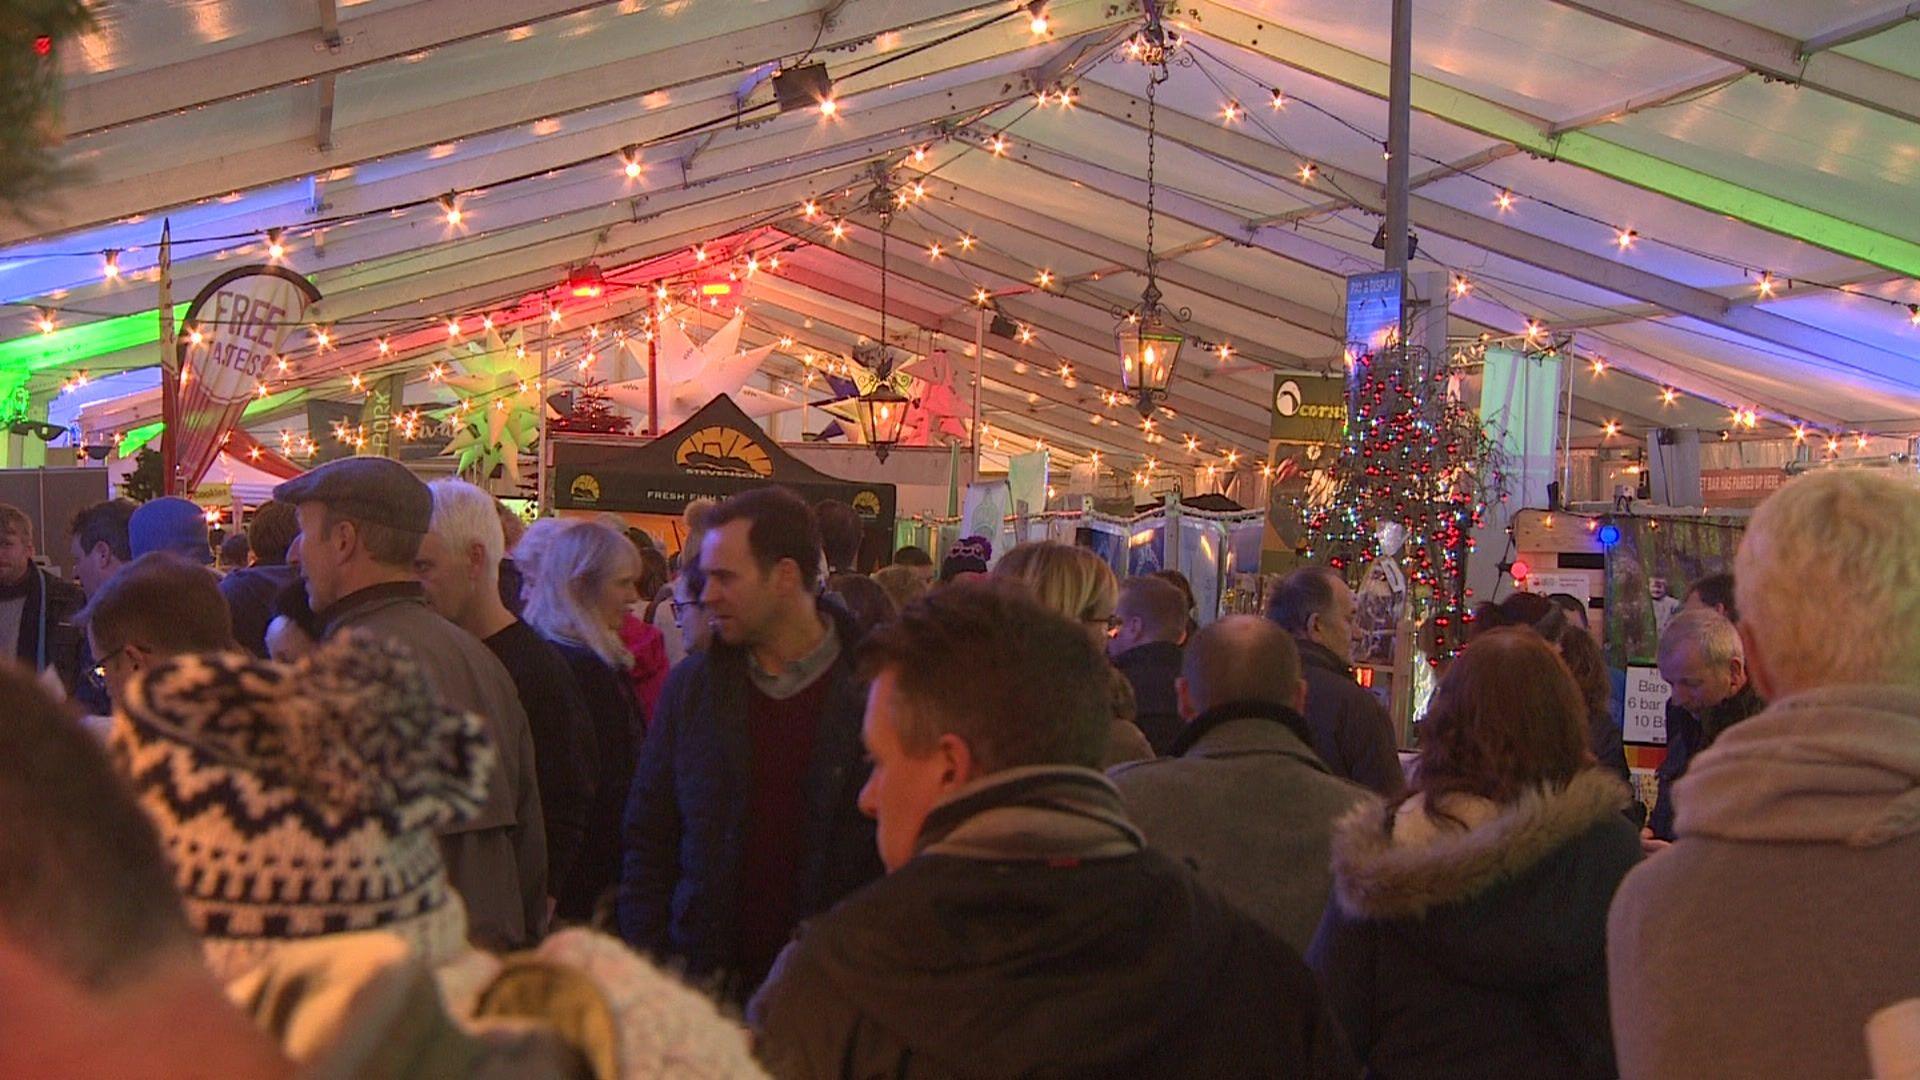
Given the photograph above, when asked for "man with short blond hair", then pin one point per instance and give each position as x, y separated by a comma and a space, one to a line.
1782, 917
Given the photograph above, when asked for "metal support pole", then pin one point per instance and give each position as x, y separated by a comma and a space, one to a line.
1399, 135
542, 497
979, 376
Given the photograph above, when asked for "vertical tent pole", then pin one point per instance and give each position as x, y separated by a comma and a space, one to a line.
1399, 153
979, 376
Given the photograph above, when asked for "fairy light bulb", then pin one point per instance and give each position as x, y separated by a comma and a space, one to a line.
1611, 427
1231, 112
385, 347
934, 250
1504, 201
998, 145
1306, 172
450, 208
1461, 286
45, 321
967, 241
1668, 395
276, 247
111, 270
1766, 286
194, 336
1044, 278
839, 230
809, 209
1279, 100
829, 107
630, 164
1624, 238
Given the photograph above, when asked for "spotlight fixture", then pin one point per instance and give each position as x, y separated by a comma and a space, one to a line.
807, 86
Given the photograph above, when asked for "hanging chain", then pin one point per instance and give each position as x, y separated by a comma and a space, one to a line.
885, 362
1153, 83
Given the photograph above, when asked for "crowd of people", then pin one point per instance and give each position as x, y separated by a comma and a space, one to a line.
400, 785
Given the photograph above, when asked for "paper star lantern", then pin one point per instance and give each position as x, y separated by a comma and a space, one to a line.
693, 374
493, 415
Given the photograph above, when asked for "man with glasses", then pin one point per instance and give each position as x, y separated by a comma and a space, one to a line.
158, 606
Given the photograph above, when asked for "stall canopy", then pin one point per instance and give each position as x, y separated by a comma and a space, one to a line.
1709, 199
719, 451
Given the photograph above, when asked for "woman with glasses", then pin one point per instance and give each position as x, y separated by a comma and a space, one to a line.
1079, 584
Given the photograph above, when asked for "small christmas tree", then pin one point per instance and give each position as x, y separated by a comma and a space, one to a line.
592, 413
1417, 456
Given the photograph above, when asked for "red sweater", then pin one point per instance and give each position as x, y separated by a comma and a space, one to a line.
780, 737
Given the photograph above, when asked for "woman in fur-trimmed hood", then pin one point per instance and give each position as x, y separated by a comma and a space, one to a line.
1467, 936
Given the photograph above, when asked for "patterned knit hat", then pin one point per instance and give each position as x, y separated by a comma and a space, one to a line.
300, 800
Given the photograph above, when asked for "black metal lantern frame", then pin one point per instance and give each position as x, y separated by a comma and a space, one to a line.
1147, 336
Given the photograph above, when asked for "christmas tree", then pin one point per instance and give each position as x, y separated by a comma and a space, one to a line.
1415, 455
592, 413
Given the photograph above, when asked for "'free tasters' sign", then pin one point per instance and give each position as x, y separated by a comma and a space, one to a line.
242, 319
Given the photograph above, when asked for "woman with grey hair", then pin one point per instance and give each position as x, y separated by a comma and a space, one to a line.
580, 585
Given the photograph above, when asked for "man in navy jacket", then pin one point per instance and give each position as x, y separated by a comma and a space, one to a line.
743, 818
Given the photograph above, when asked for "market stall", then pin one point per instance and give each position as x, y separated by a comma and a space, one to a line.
717, 452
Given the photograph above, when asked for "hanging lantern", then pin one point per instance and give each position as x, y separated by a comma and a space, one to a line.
1149, 341
1149, 349
586, 282
883, 414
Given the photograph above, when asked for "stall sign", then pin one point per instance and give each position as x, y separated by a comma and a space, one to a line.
1726, 488
1644, 719
1308, 407
1574, 583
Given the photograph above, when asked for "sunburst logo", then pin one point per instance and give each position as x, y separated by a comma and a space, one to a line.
585, 488
725, 451
867, 504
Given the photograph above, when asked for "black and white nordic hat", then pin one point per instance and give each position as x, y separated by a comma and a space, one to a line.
297, 800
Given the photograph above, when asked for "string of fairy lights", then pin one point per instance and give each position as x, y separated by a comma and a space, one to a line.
960, 255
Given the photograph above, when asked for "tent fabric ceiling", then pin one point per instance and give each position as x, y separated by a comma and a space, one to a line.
1600, 120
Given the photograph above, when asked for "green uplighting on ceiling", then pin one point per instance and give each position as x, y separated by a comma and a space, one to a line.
146, 433
75, 346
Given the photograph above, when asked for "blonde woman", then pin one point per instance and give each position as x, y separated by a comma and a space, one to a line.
583, 584
1080, 585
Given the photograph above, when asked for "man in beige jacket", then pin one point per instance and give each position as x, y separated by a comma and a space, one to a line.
1783, 916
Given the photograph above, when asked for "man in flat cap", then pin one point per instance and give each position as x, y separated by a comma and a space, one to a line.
361, 523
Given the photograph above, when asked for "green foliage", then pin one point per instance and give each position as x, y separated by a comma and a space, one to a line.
31, 33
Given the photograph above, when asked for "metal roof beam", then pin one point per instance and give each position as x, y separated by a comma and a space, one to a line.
1605, 272
1861, 29
1585, 149
284, 61
1092, 360
1764, 51
675, 63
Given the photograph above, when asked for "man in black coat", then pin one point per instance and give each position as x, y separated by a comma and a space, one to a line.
1701, 658
36, 608
1024, 928
743, 818
1152, 617
1351, 729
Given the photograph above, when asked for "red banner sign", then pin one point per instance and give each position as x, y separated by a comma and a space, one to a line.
241, 320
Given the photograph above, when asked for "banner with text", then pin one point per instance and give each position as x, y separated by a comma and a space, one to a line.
228, 347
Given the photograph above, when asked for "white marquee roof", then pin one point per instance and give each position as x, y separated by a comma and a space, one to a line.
1736, 139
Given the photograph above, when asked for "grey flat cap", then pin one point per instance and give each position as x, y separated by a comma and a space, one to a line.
377, 490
